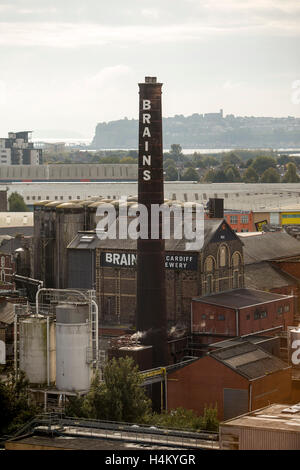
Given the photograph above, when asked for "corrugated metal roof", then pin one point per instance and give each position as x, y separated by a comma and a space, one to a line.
6, 312
269, 246
249, 360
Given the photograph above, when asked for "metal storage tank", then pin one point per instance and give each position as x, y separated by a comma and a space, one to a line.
294, 347
73, 346
36, 358
69, 221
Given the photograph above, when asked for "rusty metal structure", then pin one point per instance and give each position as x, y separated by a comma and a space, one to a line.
151, 291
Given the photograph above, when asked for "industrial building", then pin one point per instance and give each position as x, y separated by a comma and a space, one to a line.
240, 312
236, 378
18, 150
80, 182
273, 427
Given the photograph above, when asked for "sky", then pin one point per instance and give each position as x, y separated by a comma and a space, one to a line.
67, 64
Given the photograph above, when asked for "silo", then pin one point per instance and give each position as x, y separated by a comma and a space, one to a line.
36, 354
294, 347
38, 229
69, 221
73, 347
93, 219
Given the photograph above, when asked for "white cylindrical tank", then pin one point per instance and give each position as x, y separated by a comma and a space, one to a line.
34, 351
73, 345
294, 347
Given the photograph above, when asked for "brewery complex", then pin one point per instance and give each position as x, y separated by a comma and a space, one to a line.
210, 322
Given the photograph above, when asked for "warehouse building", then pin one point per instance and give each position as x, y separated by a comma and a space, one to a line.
237, 378
274, 427
239, 312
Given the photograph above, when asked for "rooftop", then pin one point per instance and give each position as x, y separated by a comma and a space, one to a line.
268, 246
249, 360
240, 298
273, 417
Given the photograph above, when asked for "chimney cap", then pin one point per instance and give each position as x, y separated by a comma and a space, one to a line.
150, 80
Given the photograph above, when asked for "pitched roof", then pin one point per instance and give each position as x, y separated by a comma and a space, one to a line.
265, 276
80, 241
239, 298
249, 360
269, 246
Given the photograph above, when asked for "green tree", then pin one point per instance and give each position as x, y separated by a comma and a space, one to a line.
209, 176
250, 175
119, 398
16, 203
261, 164
127, 160
181, 418
270, 176
171, 173
291, 175
15, 409
176, 152
190, 174
210, 162
231, 159
232, 174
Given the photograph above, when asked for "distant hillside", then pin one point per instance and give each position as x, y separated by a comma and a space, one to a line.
210, 130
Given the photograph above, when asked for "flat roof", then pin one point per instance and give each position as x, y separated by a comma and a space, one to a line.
276, 417
240, 298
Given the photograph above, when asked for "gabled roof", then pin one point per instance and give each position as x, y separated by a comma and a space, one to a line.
249, 360
266, 276
269, 246
90, 240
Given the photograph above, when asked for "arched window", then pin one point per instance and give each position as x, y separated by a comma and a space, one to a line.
236, 260
223, 256
235, 281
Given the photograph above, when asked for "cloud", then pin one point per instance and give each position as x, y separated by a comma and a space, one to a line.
151, 13
66, 35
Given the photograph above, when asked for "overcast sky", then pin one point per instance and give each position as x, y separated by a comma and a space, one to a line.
68, 64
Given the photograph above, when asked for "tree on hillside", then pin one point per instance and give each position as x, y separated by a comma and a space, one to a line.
250, 175
231, 159
190, 174
171, 174
270, 175
129, 160
16, 203
209, 176
262, 163
119, 398
291, 175
176, 152
210, 161
232, 174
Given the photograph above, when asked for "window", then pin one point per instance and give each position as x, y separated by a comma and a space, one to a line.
235, 279
27, 197
78, 197
280, 310
61, 197
33, 198
70, 197
39, 198
244, 219
221, 317
56, 197
256, 315
248, 316
203, 316
286, 308
233, 219
223, 255
263, 314
47, 197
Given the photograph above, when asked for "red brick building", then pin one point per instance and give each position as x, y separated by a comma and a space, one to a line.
7, 269
237, 379
240, 221
240, 312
